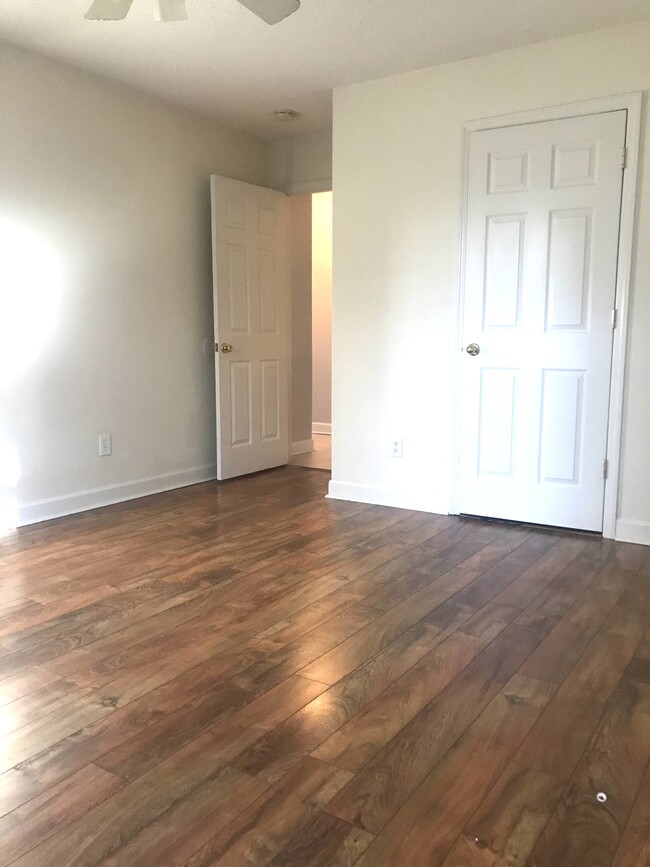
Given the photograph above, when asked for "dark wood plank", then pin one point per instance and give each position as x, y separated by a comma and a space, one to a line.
110, 825
582, 830
507, 824
324, 842
262, 830
282, 748
427, 825
378, 791
32, 824
189, 823
572, 716
634, 847
362, 737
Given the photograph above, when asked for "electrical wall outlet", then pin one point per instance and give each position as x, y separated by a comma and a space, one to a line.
105, 445
396, 447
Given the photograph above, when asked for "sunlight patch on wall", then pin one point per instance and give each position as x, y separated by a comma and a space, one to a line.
9, 475
31, 285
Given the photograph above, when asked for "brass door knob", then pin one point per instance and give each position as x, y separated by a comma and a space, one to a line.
473, 349
226, 347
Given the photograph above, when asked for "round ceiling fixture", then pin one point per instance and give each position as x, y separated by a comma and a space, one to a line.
285, 115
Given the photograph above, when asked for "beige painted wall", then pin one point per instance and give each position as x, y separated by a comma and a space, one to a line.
321, 310
112, 189
397, 179
301, 362
301, 164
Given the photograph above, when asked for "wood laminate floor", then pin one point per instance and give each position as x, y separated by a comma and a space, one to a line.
320, 458
249, 674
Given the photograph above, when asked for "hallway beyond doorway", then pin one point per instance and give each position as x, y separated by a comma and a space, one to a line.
320, 458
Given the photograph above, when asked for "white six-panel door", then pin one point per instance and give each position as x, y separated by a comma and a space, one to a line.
251, 295
540, 273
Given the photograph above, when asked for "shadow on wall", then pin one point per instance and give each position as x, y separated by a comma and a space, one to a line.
31, 288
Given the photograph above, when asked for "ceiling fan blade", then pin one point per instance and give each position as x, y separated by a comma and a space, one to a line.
169, 10
271, 11
109, 10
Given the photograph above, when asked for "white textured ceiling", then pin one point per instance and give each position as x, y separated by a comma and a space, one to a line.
227, 63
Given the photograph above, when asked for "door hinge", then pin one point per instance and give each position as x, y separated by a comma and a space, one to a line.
614, 317
624, 158
605, 468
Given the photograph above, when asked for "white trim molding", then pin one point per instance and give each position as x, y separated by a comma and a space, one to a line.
302, 447
632, 103
632, 531
321, 427
82, 501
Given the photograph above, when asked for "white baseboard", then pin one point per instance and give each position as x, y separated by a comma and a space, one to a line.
302, 447
380, 496
632, 531
319, 427
82, 501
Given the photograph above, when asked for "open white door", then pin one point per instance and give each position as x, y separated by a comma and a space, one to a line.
544, 202
251, 333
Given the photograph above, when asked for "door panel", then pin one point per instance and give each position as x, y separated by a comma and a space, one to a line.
569, 258
540, 278
238, 316
503, 271
562, 423
498, 402
251, 319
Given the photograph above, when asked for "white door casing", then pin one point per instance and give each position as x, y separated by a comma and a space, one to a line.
251, 308
544, 202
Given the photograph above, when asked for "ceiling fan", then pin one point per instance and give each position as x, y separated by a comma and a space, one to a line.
271, 11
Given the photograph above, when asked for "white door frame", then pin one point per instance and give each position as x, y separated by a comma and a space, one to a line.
632, 103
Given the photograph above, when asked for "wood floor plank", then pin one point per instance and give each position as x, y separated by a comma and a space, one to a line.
324, 842
32, 824
355, 650
13, 688
110, 825
262, 830
380, 788
565, 644
427, 825
634, 847
190, 823
507, 824
582, 830
32, 777
573, 715
362, 737
283, 747
152, 745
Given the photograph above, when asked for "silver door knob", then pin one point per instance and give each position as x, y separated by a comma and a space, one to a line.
473, 349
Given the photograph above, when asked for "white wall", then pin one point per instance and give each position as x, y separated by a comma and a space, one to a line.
397, 182
321, 282
301, 164
116, 186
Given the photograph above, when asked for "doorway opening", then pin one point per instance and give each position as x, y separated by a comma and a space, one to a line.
310, 229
